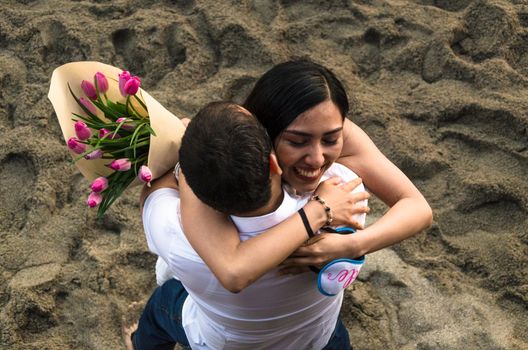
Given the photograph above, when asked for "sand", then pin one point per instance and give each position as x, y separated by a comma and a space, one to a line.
441, 86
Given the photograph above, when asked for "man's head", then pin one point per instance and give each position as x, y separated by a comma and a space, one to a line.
225, 157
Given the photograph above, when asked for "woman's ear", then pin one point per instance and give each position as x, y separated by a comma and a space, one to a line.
274, 165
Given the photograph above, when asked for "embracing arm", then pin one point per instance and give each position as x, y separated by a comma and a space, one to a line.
409, 212
237, 264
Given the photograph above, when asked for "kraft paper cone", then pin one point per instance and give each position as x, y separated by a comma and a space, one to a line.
163, 151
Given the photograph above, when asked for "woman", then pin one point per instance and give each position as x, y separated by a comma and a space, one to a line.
303, 107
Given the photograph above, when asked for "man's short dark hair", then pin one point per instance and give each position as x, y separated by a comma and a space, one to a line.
224, 156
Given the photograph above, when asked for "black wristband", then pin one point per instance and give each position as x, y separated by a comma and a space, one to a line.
306, 223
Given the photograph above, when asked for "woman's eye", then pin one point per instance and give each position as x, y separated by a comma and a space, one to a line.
330, 141
297, 143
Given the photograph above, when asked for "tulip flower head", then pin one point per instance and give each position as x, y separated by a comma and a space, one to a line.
122, 164
82, 131
102, 83
99, 185
145, 175
94, 199
88, 105
123, 78
132, 85
96, 154
76, 146
89, 89
104, 131
125, 126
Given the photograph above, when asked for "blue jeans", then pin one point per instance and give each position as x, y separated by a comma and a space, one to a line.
160, 325
339, 339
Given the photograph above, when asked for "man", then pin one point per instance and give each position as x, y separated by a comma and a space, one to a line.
227, 160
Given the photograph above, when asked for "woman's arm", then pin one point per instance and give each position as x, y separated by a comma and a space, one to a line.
409, 212
237, 264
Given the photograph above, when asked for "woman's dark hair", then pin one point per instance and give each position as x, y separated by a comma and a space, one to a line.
291, 88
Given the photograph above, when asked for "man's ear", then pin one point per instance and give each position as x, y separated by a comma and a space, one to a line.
274, 165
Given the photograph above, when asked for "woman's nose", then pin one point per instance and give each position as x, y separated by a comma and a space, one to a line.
315, 157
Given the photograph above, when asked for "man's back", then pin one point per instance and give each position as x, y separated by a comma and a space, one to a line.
274, 312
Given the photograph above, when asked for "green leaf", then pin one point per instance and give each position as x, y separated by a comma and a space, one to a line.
118, 107
117, 183
141, 102
90, 123
109, 113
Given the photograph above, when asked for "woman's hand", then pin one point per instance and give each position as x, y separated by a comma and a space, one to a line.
343, 203
318, 251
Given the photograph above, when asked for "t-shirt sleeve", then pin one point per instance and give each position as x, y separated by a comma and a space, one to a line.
161, 222
347, 175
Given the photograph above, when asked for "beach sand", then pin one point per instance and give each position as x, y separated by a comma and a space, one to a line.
440, 86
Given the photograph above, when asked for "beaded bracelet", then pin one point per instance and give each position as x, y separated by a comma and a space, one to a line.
328, 211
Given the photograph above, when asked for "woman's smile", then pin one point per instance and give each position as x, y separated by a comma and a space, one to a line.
308, 174
309, 145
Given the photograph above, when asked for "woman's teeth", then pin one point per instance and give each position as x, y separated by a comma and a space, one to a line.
308, 173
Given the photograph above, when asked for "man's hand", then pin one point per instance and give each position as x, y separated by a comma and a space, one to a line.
168, 180
185, 121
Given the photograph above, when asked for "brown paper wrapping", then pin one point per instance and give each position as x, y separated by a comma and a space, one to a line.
163, 151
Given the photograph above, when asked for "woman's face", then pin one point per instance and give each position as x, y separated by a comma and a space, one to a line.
309, 145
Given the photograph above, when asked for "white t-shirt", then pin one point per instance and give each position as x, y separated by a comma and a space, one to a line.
275, 312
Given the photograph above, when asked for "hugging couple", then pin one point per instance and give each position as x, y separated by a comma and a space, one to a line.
230, 225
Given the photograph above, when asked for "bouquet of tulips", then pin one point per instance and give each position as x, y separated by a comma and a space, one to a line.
117, 133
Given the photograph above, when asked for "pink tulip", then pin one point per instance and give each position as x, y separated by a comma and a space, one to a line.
123, 78
76, 146
99, 185
132, 85
104, 131
102, 83
122, 164
94, 154
89, 89
129, 127
145, 175
94, 199
88, 105
82, 131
